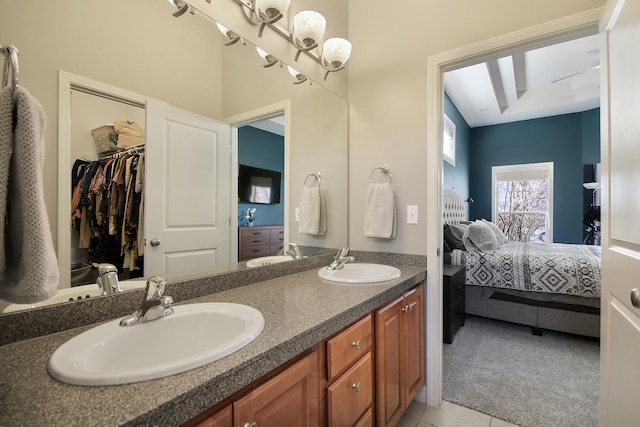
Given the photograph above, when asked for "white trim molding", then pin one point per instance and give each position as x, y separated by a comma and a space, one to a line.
559, 30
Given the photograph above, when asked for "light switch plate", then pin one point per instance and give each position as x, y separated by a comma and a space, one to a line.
412, 214
297, 214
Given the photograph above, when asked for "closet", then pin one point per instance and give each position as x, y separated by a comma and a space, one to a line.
107, 191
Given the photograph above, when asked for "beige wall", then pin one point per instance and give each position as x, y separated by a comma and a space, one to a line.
388, 92
135, 45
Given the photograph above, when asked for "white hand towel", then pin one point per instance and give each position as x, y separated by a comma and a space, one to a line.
313, 212
380, 211
28, 266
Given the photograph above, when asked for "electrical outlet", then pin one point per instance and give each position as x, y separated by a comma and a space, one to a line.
412, 214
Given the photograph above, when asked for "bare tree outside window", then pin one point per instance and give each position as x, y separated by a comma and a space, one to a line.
522, 209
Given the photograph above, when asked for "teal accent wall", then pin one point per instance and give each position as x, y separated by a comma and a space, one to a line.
567, 140
456, 177
264, 150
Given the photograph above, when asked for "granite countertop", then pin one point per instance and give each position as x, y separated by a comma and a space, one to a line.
300, 310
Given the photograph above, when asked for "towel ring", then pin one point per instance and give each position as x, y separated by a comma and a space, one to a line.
11, 67
384, 169
312, 174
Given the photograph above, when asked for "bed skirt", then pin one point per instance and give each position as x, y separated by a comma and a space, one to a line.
563, 313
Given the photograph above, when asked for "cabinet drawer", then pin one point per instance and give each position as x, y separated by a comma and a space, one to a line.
349, 345
258, 238
352, 394
277, 236
255, 251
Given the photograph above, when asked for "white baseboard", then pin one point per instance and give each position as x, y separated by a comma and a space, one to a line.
422, 395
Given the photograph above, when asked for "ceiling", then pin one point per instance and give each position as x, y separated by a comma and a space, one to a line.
549, 81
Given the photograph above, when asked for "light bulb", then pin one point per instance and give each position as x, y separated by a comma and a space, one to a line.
308, 27
224, 30
269, 9
336, 52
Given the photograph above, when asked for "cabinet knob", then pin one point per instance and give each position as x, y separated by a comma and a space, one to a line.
356, 387
253, 424
635, 297
405, 309
357, 344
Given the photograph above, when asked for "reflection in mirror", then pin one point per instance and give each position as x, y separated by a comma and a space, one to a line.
182, 62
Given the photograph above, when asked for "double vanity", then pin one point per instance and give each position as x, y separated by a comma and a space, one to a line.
341, 337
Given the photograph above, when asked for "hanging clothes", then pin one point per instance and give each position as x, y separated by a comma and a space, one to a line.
107, 209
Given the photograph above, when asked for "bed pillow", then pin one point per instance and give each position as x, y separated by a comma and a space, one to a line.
453, 235
496, 230
480, 237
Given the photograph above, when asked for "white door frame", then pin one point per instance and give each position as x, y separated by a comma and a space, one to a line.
67, 82
246, 118
556, 31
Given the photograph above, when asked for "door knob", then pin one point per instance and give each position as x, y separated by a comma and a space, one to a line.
635, 297
155, 242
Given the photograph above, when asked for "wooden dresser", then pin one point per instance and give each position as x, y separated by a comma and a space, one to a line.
254, 242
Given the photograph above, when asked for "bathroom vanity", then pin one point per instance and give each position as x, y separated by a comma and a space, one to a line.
337, 342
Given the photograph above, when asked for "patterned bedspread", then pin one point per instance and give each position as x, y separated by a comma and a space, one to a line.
541, 267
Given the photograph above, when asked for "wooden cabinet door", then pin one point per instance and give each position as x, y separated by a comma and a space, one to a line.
389, 394
222, 418
289, 399
352, 394
413, 363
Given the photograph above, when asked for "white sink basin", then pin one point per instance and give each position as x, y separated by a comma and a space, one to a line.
360, 273
74, 294
194, 335
266, 260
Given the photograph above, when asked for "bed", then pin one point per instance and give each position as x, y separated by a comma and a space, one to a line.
549, 286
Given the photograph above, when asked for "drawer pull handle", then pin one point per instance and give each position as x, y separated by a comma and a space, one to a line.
257, 250
460, 287
253, 424
356, 387
256, 241
357, 344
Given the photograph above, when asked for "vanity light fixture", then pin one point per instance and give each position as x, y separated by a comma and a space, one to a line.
232, 36
308, 29
335, 54
264, 12
271, 60
300, 78
182, 7
307, 32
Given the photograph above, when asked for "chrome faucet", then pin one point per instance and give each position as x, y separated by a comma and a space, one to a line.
292, 250
108, 278
340, 259
154, 305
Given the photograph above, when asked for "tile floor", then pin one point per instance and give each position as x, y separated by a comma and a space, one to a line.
447, 415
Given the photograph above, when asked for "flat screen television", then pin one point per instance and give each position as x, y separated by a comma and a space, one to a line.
257, 185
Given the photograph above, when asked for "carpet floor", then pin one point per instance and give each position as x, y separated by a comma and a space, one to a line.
502, 370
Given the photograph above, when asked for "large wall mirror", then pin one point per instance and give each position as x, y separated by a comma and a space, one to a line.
140, 47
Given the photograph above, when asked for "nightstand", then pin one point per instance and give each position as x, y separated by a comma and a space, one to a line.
453, 278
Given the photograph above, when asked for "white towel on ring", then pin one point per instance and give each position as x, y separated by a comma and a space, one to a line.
380, 211
313, 212
28, 265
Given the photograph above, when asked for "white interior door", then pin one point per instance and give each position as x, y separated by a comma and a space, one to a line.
188, 191
620, 341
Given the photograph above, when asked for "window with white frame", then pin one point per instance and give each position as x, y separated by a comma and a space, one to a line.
449, 141
522, 200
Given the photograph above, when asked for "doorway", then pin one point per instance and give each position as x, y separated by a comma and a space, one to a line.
559, 30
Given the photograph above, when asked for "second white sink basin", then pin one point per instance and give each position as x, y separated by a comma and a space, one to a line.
76, 293
360, 273
266, 260
194, 335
